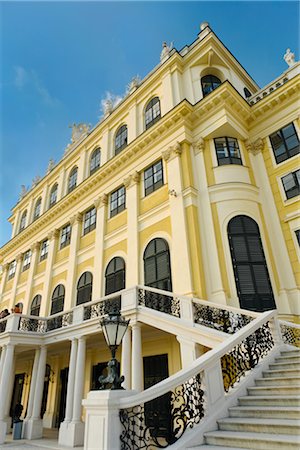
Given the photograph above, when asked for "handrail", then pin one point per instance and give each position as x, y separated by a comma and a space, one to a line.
198, 365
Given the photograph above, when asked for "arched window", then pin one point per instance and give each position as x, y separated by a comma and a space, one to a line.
53, 195
152, 112
95, 160
84, 288
58, 298
249, 264
23, 220
36, 305
37, 209
209, 83
72, 179
115, 276
157, 266
121, 139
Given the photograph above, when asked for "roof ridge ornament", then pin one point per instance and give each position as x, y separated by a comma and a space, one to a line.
289, 57
165, 53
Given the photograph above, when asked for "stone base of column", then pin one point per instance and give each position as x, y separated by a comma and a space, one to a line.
3, 429
218, 297
71, 434
48, 420
33, 429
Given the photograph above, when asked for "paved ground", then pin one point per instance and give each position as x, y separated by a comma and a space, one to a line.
49, 441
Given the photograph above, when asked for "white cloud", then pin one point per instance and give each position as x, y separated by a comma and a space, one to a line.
31, 78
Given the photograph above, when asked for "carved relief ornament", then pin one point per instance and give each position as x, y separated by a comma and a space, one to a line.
172, 152
132, 179
255, 147
199, 146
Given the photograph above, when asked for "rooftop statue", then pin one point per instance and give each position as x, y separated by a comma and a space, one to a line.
109, 103
165, 51
134, 84
51, 165
289, 57
23, 192
36, 180
78, 131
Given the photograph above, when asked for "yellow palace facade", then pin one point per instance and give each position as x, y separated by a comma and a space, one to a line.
189, 186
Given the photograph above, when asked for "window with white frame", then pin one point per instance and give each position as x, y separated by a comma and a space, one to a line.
95, 160
291, 184
152, 112
23, 221
89, 222
65, 237
153, 177
53, 195
44, 249
285, 143
12, 269
26, 260
37, 209
117, 201
121, 139
72, 179
228, 151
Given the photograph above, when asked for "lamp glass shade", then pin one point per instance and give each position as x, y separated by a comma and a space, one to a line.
114, 327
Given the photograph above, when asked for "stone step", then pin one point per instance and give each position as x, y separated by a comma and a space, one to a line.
254, 441
274, 390
295, 352
281, 373
276, 381
270, 400
269, 412
288, 359
214, 447
254, 425
284, 366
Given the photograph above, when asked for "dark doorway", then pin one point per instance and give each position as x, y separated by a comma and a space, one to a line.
62, 395
157, 411
45, 391
17, 392
249, 264
97, 371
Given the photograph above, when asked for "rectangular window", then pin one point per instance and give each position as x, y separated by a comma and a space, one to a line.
89, 223
65, 236
117, 201
285, 143
228, 151
153, 177
291, 184
12, 269
44, 250
26, 260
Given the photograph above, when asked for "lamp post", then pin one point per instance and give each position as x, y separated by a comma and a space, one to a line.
113, 327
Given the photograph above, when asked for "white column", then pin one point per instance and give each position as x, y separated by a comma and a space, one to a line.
126, 359
34, 425
2, 359
7, 375
71, 283
137, 358
180, 257
19, 261
71, 433
52, 237
3, 278
132, 200
288, 301
34, 256
188, 351
132, 123
71, 380
101, 206
29, 212
32, 384
215, 289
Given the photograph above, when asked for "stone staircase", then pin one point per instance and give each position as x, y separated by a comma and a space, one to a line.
268, 417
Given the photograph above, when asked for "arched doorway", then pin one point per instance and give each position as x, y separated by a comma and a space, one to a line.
249, 264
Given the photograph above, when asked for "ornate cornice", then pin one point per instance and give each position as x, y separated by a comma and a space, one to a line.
53, 234
255, 147
132, 179
35, 247
77, 218
199, 146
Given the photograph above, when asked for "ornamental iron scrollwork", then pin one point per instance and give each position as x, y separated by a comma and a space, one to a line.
220, 319
149, 425
290, 334
3, 325
102, 308
160, 302
63, 320
33, 324
246, 355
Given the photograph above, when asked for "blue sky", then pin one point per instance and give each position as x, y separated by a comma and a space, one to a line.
58, 59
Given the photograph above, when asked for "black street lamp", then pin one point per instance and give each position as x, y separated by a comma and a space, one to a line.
114, 327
